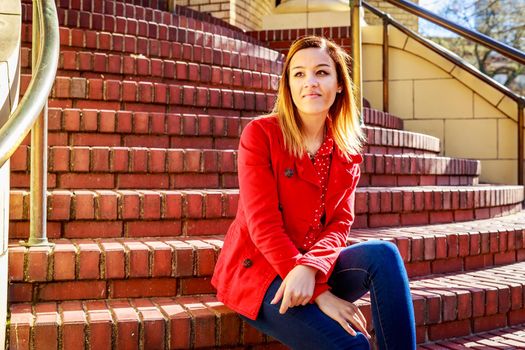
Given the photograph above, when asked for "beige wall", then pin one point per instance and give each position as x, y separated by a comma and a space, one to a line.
245, 14
9, 81
434, 96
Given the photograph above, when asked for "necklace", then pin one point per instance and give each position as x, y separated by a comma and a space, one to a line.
312, 154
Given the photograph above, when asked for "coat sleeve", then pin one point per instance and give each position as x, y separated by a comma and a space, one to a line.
324, 253
258, 193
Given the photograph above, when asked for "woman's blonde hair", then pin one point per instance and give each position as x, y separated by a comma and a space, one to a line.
346, 126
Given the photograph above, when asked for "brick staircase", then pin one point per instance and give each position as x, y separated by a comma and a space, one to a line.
145, 118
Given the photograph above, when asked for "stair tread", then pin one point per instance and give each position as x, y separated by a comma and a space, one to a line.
208, 158
512, 337
439, 301
442, 244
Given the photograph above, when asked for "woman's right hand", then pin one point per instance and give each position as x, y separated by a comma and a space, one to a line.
343, 312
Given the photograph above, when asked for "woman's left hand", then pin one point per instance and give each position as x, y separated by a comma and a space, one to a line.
297, 288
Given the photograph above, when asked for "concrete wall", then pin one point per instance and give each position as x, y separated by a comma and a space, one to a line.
404, 17
437, 97
9, 81
245, 14
248, 14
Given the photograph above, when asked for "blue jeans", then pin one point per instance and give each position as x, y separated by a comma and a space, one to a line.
374, 266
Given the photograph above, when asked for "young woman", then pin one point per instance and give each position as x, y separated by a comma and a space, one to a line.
284, 265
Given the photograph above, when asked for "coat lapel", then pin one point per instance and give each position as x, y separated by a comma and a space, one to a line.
341, 179
306, 170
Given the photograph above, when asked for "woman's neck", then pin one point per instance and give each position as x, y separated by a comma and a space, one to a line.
313, 133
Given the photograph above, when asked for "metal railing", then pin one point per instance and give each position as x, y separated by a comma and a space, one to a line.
31, 114
479, 38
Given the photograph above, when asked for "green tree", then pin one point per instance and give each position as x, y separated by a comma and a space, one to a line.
503, 20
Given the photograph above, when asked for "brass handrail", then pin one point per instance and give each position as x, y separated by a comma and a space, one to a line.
22, 119
357, 71
27, 116
502, 48
512, 53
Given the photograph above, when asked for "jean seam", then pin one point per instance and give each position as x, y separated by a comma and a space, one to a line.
379, 314
374, 295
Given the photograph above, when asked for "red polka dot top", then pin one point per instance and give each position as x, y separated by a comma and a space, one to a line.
321, 162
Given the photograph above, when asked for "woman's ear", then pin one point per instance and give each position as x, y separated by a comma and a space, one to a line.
339, 89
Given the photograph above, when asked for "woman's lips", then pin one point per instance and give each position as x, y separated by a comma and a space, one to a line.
312, 95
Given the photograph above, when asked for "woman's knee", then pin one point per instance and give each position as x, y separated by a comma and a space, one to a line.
384, 250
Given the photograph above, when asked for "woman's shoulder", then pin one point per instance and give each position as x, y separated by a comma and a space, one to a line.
267, 121
265, 124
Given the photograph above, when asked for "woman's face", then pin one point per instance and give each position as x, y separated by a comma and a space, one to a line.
313, 82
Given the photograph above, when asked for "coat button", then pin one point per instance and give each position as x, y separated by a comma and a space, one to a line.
288, 172
247, 263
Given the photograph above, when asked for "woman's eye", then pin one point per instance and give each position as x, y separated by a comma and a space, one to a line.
322, 72
298, 74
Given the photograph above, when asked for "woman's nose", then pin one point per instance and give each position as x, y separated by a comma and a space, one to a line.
311, 82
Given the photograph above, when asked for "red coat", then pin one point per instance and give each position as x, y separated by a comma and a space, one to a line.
278, 196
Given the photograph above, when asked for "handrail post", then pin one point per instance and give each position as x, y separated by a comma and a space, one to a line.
386, 73
357, 76
38, 176
521, 105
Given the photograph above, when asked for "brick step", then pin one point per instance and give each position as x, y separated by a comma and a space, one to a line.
156, 323
131, 19
92, 127
139, 213
154, 267
446, 306
81, 167
183, 66
453, 247
154, 97
180, 43
502, 338
139, 68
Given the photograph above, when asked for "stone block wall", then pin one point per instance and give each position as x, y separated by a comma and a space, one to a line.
245, 14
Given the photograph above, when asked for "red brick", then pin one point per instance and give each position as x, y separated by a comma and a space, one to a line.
153, 324
91, 180
46, 326
16, 263
89, 229
171, 205
113, 253
100, 159
73, 326
152, 228
37, 263
83, 205
127, 322
482, 324
88, 260
449, 330
100, 325
151, 204
162, 258
64, 256
180, 323
59, 159
74, 290
140, 287
106, 205
21, 321
146, 181
204, 323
